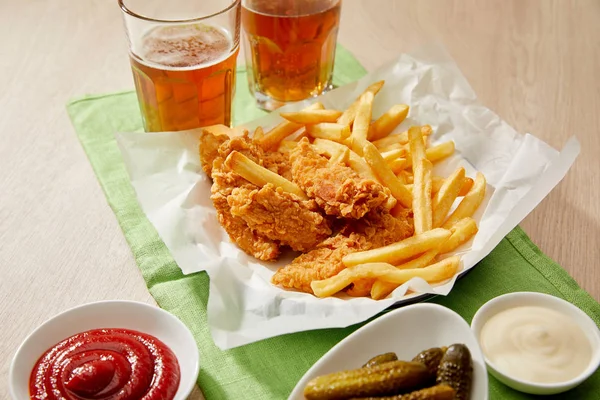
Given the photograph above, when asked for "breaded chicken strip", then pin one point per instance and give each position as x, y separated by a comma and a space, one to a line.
249, 240
322, 262
336, 188
378, 228
280, 216
260, 220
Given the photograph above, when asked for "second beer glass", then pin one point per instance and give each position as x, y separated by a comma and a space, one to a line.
290, 48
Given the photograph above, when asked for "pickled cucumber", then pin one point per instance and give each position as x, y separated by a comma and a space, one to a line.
380, 380
431, 358
380, 359
438, 392
456, 370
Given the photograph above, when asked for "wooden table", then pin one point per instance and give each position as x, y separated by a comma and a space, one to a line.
535, 63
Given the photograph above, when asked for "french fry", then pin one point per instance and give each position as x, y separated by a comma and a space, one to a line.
392, 154
382, 289
340, 157
399, 251
417, 146
258, 133
469, 203
444, 198
312, 116
438, 181
287, 145
347, 117
401, 138
394, 146
260, 176
421, 203
439, 152
397, 165
272, 138
329, 131
435, 153
356, 144
385, 174
356, 162
408, 177
462, 231
437, 272
301, 133
388, 121
362, 121
467, 185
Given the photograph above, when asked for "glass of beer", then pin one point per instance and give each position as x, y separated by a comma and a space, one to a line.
183, 57
289, 48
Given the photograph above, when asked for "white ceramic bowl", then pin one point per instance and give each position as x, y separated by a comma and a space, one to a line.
406, 332
510, 300
107, 314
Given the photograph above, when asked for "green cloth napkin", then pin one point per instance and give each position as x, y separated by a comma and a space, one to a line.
270, 369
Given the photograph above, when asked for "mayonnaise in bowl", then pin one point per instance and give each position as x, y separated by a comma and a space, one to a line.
536, 344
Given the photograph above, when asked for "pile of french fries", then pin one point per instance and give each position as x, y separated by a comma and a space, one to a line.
403, 163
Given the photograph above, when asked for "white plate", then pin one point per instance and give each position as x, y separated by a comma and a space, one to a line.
108, 314
406, 332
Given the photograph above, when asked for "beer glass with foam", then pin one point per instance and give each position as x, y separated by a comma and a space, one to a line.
183, 57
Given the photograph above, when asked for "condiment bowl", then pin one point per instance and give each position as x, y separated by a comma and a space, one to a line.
107, 314
406, 331
519, 299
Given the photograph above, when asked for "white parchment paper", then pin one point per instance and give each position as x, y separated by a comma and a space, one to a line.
243, 305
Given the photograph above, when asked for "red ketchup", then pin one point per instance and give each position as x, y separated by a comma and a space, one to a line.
106, 364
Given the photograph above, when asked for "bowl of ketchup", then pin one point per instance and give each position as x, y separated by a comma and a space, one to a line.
118, 350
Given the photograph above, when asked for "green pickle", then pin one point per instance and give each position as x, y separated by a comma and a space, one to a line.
456, 370
431, 358
380, 359
438, 392
384, 379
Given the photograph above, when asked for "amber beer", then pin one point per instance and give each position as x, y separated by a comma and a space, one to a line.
290, 47
184, 76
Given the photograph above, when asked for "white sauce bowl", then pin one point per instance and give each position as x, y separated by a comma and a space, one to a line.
521, 299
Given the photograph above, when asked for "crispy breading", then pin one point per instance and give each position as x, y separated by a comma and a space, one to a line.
209, 149
260, 220
279, 162
376, 229
211, 138
247, 239
322, 262
380, 228
337, 188
280, 216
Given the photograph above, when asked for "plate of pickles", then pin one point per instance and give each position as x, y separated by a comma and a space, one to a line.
419, 352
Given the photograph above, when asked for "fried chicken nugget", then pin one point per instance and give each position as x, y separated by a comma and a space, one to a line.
336, 188
280, 216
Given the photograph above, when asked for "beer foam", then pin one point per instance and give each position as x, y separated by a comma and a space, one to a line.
182, 47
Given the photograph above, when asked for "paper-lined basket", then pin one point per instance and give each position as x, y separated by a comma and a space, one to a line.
243, 305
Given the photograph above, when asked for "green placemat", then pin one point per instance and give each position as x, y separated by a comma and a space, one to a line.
270, 369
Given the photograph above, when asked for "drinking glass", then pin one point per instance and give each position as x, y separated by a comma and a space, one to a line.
183, 57
289, 48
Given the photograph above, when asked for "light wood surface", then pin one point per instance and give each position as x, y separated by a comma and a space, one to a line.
536, 63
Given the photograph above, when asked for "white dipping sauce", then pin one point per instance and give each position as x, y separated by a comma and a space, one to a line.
536, 344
